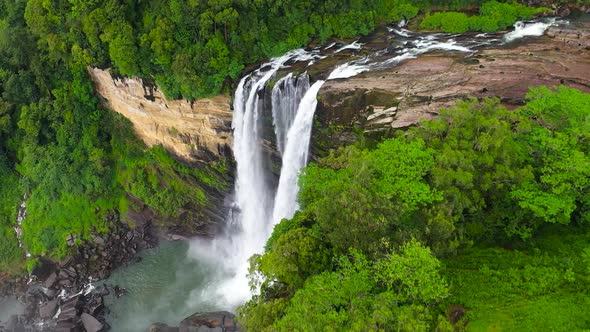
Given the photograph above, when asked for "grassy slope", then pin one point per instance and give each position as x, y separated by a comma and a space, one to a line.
543, 287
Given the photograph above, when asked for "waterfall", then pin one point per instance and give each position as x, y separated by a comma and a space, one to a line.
253, 196
293, 106
257, 205
295, 155
286, 95
250, 219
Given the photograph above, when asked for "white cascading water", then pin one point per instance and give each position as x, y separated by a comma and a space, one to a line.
524, 29
286, 95
250, 223
422, 44
253, 198
295, 156
355, 45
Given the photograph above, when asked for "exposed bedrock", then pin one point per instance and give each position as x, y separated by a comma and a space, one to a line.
381, 101
219, 321
194, 131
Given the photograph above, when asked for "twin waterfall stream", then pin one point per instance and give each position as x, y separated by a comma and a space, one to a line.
258, 206
203, 275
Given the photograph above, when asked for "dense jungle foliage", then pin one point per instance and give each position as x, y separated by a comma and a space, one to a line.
493, 16
483, 208
196, 48
75, 161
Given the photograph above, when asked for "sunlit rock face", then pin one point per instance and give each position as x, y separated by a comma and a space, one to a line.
194, 131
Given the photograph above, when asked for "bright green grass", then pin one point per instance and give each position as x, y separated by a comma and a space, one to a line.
554, 312
544, 286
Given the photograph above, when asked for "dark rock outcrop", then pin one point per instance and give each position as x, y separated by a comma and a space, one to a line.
58, 297
218, 321
221, 321
159, 327
48, 310
90, 323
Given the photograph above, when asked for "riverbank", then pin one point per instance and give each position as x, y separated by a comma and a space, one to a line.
58, 296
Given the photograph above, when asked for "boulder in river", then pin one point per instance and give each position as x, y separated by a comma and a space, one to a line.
48, 309
91, 324
219, 321
50, 281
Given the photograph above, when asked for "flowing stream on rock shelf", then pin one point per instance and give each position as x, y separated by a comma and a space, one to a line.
178, 279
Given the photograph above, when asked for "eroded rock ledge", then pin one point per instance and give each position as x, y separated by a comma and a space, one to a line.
382, 101
194, 131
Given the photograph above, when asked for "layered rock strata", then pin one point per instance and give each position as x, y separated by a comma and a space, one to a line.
194, 131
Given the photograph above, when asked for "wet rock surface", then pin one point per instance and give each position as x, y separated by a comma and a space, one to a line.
159, 327
60, 296
90, 323
221, 321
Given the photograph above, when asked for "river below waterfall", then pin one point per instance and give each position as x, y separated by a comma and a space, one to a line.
163, 287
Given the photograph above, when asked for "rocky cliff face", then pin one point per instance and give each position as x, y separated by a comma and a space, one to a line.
198, 130
381, 101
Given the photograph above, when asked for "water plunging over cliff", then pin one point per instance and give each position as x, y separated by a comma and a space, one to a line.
295, 156
250, 222
286, 95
